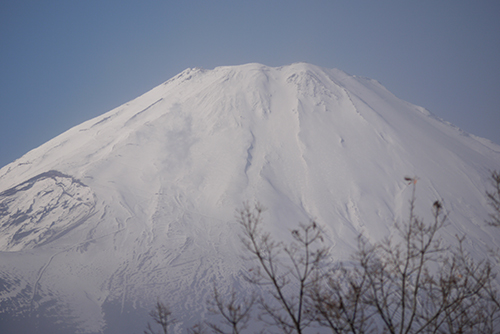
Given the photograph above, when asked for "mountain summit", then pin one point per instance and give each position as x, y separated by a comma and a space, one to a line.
139, 203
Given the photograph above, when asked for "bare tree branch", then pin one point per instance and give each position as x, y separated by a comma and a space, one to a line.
412, 285
286, 281
161, 315
235, 312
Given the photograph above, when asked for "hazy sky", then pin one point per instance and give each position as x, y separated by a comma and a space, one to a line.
64, 62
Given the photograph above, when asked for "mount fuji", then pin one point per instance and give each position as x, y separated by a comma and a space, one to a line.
139, 203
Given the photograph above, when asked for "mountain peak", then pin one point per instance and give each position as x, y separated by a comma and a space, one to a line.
139, 202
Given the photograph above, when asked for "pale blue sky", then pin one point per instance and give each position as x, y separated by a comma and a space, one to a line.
63, 62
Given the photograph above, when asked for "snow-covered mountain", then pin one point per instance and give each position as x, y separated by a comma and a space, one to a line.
139, 203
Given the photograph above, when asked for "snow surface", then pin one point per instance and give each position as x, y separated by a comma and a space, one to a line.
163, 175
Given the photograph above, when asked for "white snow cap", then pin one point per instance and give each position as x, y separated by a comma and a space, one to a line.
158, 179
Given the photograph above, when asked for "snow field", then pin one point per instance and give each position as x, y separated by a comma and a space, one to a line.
170, 168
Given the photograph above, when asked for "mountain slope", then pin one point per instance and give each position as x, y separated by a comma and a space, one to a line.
140, 202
